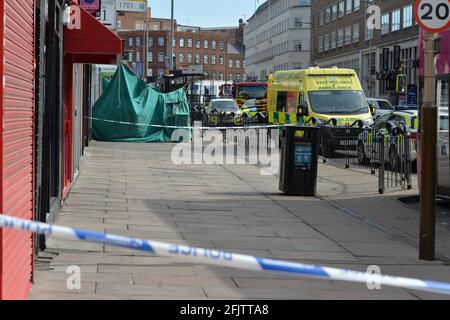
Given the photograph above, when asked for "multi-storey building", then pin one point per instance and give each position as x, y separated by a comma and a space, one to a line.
278, 37
217, 52
342, 37
155, 62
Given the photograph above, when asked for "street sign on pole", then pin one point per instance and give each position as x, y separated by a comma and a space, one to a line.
108, 14
132, 5
91, 6
432, 15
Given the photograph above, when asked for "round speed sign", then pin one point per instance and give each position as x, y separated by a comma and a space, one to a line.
433, 15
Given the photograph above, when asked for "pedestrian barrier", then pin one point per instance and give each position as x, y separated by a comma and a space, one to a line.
222, 258
387, 152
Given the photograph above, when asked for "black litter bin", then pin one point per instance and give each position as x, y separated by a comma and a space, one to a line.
298, 167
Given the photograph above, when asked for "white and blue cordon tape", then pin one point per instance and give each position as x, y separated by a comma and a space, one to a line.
222, 258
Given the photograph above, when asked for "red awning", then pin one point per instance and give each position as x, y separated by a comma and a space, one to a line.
92, 42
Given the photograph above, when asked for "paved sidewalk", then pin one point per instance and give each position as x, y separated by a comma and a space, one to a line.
135, 190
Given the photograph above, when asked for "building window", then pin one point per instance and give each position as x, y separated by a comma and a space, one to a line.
189, 57
198, 43
197, 58
205, 44
213, 59
341, 9
395, 20
333, 12
221, 45
205, 59
298, 23
321, 16
181, 58
174, 42
407, 16
369, 34
150, 56
231, 77
221, 77
340, 37
326, 42
213, 44
160, 56
150, 42
320, 44
327, 15
298, 45
149, 72
356, 33
181, 42
230, 63
348, 35
349, 7
356, 5
130, 56
333, 40
221, 60
138, 56
130, 41
161, 41
138, 41
385, 23
238, 64
160, 72
190, 43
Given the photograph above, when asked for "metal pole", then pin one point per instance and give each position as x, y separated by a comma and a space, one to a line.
428, 155
145, 69
172, 27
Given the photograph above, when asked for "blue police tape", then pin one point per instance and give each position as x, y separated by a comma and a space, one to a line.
184, 127
222, 258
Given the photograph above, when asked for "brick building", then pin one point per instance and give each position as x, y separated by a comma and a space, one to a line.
157, 51
340, 37
219, 52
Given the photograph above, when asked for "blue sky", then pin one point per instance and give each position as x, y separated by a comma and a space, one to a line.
205, 13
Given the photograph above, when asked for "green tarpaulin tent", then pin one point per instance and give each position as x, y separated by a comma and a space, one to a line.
144, 112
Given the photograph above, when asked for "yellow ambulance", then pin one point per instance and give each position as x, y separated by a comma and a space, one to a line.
316, 95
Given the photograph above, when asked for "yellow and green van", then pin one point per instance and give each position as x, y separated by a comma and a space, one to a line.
331, 96
319, 94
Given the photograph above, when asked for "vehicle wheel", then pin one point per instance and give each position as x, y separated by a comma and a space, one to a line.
362, 159
394, 159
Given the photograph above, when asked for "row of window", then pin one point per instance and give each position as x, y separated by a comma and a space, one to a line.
339, 38
189, 58
182, 43
276, 50
220, 76
198, 43
338, 10
131, 41
275, 30
136, 56
397, 19
274, 11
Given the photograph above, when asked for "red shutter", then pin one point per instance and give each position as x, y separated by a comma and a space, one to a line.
16, 143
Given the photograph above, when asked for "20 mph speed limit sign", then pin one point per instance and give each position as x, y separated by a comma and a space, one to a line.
433, 15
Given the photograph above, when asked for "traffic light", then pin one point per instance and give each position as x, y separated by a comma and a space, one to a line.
401, 83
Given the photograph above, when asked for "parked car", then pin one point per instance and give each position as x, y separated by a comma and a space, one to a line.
382, 106
224, 106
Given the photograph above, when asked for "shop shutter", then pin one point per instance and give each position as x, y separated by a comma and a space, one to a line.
16, 164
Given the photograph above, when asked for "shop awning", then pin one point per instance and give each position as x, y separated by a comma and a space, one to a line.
92, 42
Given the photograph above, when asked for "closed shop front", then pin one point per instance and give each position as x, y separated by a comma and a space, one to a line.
16, 143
